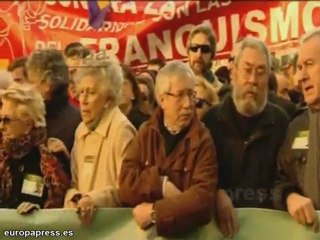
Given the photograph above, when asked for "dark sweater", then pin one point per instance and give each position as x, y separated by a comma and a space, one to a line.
21, 171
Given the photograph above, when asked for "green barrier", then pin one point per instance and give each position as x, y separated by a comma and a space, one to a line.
118, 224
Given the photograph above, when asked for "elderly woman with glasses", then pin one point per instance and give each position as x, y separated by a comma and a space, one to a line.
206, 96
31, 176
101, 140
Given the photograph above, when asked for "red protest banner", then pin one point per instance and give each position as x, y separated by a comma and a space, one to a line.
136, 31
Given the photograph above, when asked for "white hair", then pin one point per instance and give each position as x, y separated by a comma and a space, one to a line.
29, 102
310, 34
254, 43
5, 80
164, 76
109, 74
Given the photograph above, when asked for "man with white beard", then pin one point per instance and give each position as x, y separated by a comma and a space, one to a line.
248, 132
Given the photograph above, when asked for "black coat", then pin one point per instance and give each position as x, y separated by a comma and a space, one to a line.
62, 124
286, 105
247, 167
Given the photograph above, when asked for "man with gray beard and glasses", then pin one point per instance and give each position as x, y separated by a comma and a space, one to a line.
248, 132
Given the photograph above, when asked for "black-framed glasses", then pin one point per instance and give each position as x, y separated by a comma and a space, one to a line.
7, 120
189, 93
203, 48
200, 102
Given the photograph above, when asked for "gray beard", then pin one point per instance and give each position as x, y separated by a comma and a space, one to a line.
249, 108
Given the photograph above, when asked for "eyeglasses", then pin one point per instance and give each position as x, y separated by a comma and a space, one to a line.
199, 102
189, 93
203, 48
7, 120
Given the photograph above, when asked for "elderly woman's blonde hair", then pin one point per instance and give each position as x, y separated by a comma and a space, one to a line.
108, 73
29, 103
211, 93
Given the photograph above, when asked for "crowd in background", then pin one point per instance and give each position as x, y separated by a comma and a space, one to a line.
177, 142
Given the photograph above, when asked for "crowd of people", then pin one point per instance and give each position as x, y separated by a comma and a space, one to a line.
177, 142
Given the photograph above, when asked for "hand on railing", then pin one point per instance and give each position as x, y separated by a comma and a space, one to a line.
303, 211
226, 215
86, 210
27, 207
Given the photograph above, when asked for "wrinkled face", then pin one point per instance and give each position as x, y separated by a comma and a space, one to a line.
12, 126
250, 82
308, 71
127, 92
92, 97
199, 53
283, 86
201, 101
18, 75
178, 103
38, 81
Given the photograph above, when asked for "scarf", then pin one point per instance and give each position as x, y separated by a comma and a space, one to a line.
54, 176
312, 168
19, 147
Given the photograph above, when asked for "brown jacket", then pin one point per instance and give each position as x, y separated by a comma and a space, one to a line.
191, 167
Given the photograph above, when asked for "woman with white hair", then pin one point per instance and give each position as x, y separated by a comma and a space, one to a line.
31, 176
101, 139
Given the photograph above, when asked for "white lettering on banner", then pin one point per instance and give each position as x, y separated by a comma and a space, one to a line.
39, 45
55, 22
198, 7
168, 10
183, 9
134, 51
182, 50
148, 10
222, 40
280, 23
226, 3
235, 27
83, 25
67, 3
283, 27
257, 27
307, 15
212, 4
110, 47
165, 46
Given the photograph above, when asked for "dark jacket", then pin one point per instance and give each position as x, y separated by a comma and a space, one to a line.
62, 122
291, 163
247, 167
137, 117
191, 167
286, 105
40, 166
